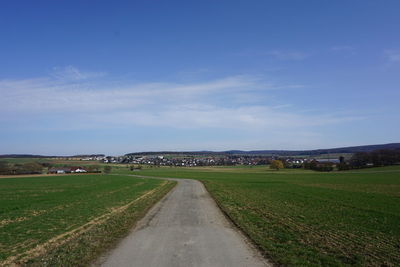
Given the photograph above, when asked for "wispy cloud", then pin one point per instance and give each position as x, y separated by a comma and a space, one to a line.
49, 94
392, 55
235, 102
71, 73
208, 116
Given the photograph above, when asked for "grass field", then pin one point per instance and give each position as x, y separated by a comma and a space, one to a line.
69, 220
302, 217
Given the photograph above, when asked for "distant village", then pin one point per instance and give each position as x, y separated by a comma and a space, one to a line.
135, 161
323, 162
195, 161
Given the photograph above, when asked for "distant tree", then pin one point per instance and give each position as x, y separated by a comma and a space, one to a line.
92, 168
360, 159
26, 168
385, 157
5, 168
46, 164
324, 167
276, 164
318, 166
107, 169
311, 165
382, 157
31, 168
343, 166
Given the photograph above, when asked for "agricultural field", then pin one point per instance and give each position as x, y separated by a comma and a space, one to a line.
25, 160
55, 161
70, 219
299, 217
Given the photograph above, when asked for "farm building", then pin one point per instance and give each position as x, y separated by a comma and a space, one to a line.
63, 170
77, 170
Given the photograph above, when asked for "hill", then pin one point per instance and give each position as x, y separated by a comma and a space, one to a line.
315, 152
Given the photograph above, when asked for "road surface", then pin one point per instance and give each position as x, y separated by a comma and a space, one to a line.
186, 228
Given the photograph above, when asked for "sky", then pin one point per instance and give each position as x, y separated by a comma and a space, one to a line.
116, 77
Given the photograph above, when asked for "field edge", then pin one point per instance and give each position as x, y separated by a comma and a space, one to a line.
239, 228
85, 248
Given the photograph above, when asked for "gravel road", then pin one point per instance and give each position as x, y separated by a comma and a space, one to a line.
186, 228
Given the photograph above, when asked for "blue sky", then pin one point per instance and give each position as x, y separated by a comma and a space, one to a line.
121, 76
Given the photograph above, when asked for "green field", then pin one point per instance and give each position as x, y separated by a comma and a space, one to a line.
69, 220
300, 217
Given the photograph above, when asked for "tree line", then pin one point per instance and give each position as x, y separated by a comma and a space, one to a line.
7, 168
376, 158
21, 168
359, 160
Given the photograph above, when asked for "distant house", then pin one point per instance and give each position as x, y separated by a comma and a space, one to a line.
63, 170
294, 163
59, 170
78, 170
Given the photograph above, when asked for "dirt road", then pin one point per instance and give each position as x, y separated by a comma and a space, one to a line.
185, 229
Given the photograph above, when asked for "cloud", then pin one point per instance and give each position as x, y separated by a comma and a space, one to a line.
288, 55
45, 95
234, 102
249, 118
392, 55
71, 73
